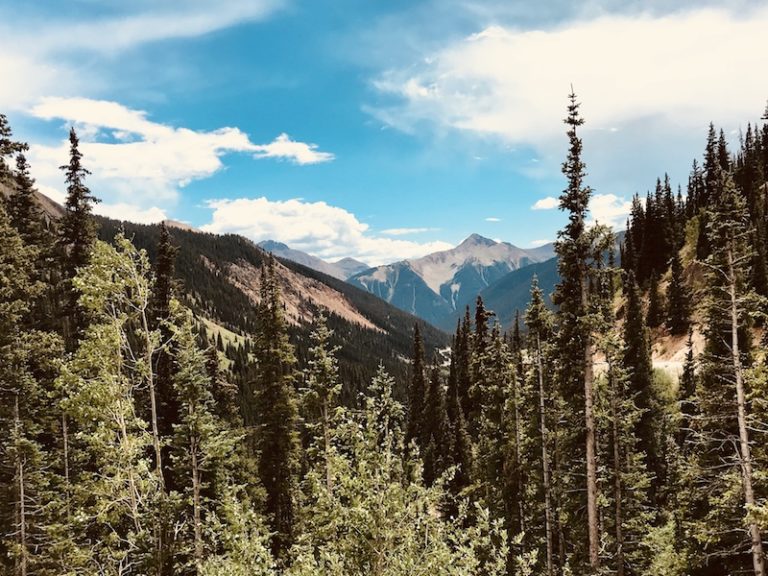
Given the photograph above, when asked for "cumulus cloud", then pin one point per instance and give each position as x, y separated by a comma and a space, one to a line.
131, 213
139, 162
318, 228
609, 209
298, 152
547, 203
511, 82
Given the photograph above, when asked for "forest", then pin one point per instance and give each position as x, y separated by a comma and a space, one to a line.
134, 442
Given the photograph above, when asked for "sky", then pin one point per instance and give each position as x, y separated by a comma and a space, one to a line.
377, 129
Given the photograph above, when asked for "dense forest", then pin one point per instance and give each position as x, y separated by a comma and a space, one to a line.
133, 441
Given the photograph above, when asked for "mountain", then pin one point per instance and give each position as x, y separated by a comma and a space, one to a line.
512, 292
349, 267
342, 269
438, 286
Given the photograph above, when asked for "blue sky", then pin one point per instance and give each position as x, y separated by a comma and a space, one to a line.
375, 129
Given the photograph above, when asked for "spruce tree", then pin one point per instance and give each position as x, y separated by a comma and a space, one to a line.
539, 322
434, 427
416, 390
8, 148
639, 382
320, 397
655, 316
577, 350
76, 235
276, 437
727, 422
678, 299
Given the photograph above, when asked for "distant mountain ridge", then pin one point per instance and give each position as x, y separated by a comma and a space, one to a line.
343, 269
438, 286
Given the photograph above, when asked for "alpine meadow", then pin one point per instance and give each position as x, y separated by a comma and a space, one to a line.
220, 357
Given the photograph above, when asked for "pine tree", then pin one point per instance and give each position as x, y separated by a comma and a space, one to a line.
8, 148
203, 446
434, 427
539, 322
276, 437
163, 292
678, 299
416, 390
639, 383
655, 316
23, 209
320, 400
574, 249
724, 391
76, 235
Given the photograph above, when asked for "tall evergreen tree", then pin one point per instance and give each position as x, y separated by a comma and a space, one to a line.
276, 436
416, 390
76, 235
727, 423
678, 299
435, 435
8, 148
574, 248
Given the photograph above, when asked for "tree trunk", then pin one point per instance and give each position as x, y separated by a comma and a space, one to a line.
758, 555
589, 421
149, 352
22, 511
545, 461
518, 466
617, 487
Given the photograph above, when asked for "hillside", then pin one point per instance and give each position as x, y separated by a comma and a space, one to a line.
220, 276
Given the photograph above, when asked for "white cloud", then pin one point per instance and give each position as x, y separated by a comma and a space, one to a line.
609, 209
326, 231
547, 203
406, 231
298, 152
131, 213
512, 83
139, 161
493, 219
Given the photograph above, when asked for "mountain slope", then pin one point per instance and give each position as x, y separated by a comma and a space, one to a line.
220, 276
342, 269
438, 286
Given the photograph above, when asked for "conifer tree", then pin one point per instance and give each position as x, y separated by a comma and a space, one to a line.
276, 436
203, 447
163, 289
655, 316
434, 427
416, 390
574, 249
639, 382
678, 299
724, 391
8, 148
23, 210
320, 399
76, 235
538, 320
